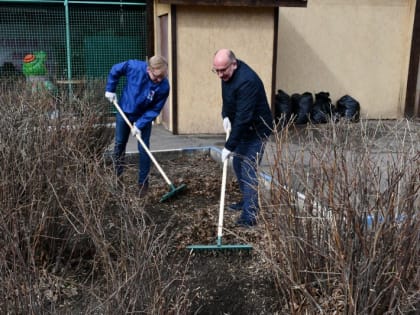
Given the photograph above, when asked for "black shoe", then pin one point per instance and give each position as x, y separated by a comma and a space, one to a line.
143, 188
246, 223
236, 206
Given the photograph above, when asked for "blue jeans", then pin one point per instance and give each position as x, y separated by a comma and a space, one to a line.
245, 167
122, 132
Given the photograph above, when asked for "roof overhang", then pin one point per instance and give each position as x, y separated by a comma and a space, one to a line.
242, 3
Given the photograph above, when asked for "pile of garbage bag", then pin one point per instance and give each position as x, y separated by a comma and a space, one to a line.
305, 108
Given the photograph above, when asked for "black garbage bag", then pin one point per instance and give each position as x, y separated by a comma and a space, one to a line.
349, 108
323, 109
302, 107
283, 108
294, 98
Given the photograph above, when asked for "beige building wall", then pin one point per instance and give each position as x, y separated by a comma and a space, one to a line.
355, 47
249, 32
162, 10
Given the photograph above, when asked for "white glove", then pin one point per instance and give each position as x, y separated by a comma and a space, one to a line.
226, 124
135, 131
225, 154
111, 96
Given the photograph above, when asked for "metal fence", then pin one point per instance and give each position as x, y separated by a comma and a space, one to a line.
81, 39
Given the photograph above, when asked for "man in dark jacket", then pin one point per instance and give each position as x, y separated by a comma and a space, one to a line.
247, 115
142, 99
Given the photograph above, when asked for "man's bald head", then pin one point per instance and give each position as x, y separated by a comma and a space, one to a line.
223, 56
224, 63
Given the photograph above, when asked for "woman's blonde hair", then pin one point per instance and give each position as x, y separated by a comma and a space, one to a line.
158, 63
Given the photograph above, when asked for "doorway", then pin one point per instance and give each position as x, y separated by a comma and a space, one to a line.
163, 44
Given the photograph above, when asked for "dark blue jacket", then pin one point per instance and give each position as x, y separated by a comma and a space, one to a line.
246, 105
141, 99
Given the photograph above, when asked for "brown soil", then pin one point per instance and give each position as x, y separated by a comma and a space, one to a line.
218, 281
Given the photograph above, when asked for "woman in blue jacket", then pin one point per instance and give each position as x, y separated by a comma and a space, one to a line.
246, 113
142, 99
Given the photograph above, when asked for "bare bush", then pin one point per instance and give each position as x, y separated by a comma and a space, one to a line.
343, 218
72, 241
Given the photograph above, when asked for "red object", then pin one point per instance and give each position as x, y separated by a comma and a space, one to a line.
29, 58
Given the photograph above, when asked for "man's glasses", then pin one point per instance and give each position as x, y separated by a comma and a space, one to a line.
157, 77
221, 71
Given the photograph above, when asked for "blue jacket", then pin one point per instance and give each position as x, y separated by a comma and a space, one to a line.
246, 105
141, 99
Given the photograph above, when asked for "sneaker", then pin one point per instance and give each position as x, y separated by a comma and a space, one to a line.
246, 223
143, 188
236, 206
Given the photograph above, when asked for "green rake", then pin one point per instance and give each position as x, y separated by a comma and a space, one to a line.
173, 189
219, 245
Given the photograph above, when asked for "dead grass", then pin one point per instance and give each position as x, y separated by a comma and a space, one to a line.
339, 229
69, 240
344, 218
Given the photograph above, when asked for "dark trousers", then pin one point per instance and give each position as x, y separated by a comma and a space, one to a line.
122, 132
246, 159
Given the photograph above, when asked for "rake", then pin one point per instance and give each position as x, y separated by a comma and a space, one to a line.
219, 245
173, 189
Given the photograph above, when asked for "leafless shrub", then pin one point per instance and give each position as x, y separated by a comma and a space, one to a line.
72, 241
343, 218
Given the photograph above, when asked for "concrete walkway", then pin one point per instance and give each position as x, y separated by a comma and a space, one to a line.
164, 140
387, 135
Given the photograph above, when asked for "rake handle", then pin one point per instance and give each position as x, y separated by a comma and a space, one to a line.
222, 197
143, 145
